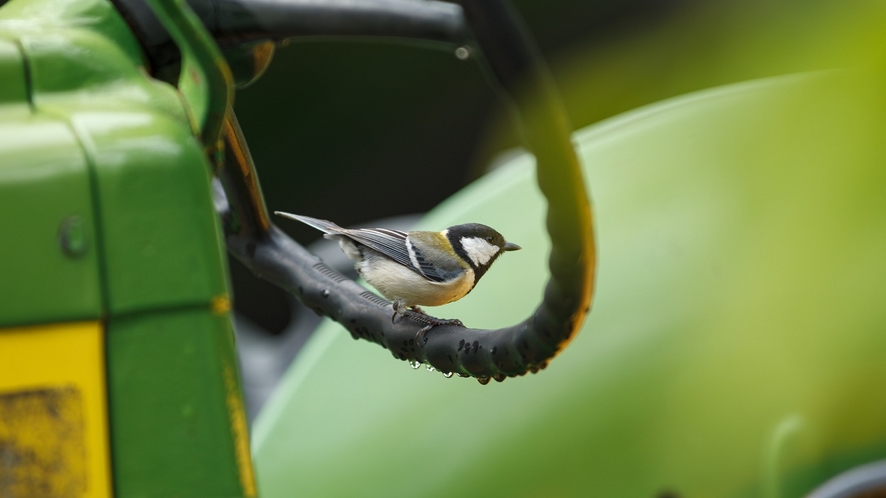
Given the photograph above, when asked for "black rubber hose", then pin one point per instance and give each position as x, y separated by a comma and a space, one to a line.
236, 22
511, 351
232, 22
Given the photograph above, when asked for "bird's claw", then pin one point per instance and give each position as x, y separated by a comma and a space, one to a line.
420, 338
399, 309
420, 315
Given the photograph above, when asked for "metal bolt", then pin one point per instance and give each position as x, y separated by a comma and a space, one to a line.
72, 236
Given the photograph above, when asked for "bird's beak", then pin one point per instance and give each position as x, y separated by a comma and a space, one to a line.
510, 246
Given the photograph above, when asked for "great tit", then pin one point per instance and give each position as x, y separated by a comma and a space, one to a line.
417, 268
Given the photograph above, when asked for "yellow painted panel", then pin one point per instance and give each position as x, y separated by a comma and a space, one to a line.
53, 412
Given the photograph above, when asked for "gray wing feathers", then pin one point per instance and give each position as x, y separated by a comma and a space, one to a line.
322, 225
436, 265
391, 243
427, 269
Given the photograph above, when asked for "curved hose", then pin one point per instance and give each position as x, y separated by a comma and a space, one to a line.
234, 23
238, 21
507, 352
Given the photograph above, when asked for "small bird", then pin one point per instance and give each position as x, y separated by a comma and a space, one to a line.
417, 268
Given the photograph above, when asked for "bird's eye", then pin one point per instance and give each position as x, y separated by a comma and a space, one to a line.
489, 239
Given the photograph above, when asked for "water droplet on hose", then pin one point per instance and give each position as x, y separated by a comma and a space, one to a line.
414, 364
483, 380
448, 375
324, 293
431, 369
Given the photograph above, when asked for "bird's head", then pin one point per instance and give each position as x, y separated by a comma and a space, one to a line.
479, 245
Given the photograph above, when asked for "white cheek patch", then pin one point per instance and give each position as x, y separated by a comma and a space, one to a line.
478, 250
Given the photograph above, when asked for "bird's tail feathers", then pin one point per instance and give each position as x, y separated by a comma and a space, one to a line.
322, 225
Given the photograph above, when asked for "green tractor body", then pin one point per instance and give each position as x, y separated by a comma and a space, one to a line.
108, 220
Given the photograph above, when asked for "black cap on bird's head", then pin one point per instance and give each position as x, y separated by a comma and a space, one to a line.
479, 245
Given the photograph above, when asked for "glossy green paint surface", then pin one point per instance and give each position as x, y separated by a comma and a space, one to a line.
205, 82
161, 240
38, 192
735, 347
37, 195
89, 133
167, 398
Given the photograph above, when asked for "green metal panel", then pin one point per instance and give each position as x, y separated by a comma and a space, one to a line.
735, 347
44, 18
40, 197
123, 147
160, 237
44, 194
170, 403
161, 240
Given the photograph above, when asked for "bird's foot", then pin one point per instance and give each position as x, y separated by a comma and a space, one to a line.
399, 309
432, 322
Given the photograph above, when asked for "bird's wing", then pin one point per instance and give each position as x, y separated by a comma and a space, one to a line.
428, 270
435, 263
391, 243
394, 244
